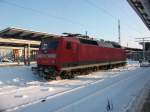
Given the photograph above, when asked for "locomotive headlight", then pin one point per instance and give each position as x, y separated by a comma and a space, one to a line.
51, 55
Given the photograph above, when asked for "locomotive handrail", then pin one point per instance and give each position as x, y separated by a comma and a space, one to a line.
91, 65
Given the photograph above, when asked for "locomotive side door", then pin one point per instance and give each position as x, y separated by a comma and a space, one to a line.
71, 53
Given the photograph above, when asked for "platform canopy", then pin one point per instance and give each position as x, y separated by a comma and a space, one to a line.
20, 37
142, 8
147, 45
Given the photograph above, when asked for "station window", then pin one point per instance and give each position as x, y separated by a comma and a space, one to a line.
69, 45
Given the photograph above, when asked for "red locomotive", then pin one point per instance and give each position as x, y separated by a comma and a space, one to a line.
65, 56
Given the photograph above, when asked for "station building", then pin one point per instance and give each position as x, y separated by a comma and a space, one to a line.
19, 45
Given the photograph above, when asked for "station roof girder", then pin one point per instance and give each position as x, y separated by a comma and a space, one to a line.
142, 8
18, 33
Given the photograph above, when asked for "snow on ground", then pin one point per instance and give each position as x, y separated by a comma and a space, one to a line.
21, 91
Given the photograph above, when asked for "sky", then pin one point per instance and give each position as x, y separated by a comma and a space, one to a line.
98, 17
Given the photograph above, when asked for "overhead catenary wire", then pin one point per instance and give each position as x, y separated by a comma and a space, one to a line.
125, 14
43, 13
100, 9
103, 10
83, 26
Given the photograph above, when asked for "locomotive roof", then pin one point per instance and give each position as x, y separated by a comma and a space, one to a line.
85, 39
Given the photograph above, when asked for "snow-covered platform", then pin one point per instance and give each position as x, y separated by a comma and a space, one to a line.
112, 90
6, 64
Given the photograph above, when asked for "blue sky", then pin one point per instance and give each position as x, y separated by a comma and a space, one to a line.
98, 17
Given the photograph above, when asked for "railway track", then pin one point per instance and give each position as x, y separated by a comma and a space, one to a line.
69, 91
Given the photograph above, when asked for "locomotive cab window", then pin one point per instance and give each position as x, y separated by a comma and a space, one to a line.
68, 45
49, 44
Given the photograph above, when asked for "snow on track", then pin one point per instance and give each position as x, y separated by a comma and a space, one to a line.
26, 92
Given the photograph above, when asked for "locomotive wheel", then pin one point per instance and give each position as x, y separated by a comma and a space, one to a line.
66, 75
62, 74
70, 75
